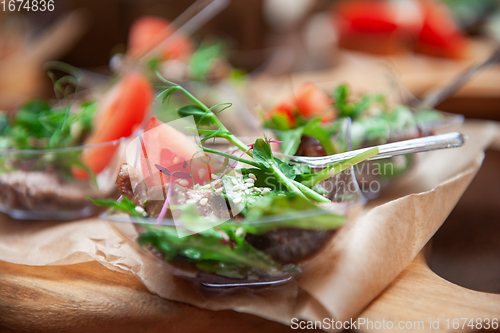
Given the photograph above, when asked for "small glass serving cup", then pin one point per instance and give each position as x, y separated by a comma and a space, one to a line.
382, 78
54, 184
266, 245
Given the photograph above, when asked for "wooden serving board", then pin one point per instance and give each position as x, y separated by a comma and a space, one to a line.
89, 297
86, 297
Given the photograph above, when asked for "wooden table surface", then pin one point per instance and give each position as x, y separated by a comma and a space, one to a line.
33, 300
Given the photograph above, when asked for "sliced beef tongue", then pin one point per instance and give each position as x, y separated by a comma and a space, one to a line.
311, 147
124, 182
290, 245
42, 191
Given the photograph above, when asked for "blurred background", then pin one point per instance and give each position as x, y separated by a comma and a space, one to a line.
426, 42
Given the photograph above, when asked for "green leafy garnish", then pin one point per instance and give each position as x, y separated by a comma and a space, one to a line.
203, 58
124, 205
206, 251
201, 117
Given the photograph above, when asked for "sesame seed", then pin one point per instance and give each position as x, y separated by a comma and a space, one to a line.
201, 173
247, 191
237, 187
219, 190
249, 180
176, 160
139, 209
196, 197
203, 201
248, 185
214, 176
191, 201
252, 176
266, 190
183, 182
235, 182
237, 200
206, 187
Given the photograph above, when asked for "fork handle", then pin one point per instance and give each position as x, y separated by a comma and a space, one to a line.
428, 143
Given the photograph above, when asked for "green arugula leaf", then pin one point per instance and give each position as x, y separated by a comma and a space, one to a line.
354, 109
262, 153
427, 117
277, 122
285, 168
364, 103
4, 123
125, 205
265, 178
287, 206
340, 94
375, 128
202, 59
399, 118
291, 140
205, 249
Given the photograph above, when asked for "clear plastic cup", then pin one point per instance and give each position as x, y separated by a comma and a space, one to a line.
373, 176
40, 184
276, 245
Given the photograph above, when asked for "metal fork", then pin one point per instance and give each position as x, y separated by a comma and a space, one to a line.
436, 97
434, 142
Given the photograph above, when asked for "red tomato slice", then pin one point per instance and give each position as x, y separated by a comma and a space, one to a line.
381, 27
286, 109
151, 29
312, 102
440, 36
119, 113
164, 145
367, 16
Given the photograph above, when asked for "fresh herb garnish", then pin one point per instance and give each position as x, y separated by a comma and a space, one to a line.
124, 205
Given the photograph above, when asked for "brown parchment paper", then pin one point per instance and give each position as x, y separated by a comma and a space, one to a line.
360, 262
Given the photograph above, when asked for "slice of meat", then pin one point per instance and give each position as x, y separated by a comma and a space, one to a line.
43, 191
311, 147
124, 182
290, 245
